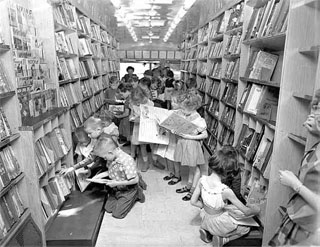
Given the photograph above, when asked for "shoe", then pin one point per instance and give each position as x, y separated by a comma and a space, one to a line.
217, 241
144, 169
166, 178
183, 190
174, 180
187, 197
141, 197
205, 236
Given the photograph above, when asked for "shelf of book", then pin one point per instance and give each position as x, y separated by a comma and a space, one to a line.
260, 82
213, 96
233, 31
51, 219
226, 125
7, 95
58, 27
230, 80
231, 56
212, 115
218, 37
208, 148
16, 227
9, 139
214, 58
298, 139
312, 4
12, 183
275, 42
64, 82
4, 48
37, 122
271, 125
310, 50
228, 104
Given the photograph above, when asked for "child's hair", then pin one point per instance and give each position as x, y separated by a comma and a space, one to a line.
105, 116
103, 141
93, 123
139, 95
191, 83
176, 83
156, 81
225, 162
316, 99
133, 79
124, 87
80, 135
148, 72
113, 79
170, 73
145, 82
192, 101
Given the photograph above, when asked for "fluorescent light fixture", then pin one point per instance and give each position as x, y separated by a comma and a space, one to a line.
188, 3
181, 13
116, 3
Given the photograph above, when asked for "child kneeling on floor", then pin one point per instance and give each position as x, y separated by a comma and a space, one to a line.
122, 177
217, 223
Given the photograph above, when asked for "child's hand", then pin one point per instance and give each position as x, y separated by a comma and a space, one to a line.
288, 178
111, 183
101, 175
66, 171
255, 208
186, 136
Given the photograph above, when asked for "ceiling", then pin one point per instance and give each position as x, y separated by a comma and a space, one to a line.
149, 18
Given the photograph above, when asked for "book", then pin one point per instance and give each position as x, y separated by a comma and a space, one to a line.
82, 179
264, 66
268, 104
263, 154
253, 99
5, 84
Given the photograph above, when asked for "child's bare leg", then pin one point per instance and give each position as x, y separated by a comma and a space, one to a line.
144, 154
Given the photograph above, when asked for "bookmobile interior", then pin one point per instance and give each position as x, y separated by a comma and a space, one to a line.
256, 68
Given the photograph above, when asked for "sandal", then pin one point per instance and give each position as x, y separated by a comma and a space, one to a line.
171, 176
187, 197
174, 180
183, 190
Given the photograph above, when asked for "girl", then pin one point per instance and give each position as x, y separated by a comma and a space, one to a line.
139, 96
168, 88
217, 224
124, 91
167, 151
188, 151
134, 81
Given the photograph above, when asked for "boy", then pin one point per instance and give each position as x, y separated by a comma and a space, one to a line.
110, 93
122, 177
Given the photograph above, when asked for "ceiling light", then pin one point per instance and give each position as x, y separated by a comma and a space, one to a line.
181, 13
116, 3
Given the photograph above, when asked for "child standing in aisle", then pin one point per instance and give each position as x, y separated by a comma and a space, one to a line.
188, 151
111, 92
217, 224
139, 96
168, 88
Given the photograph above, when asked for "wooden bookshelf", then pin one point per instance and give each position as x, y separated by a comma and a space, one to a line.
275, 42
298, 139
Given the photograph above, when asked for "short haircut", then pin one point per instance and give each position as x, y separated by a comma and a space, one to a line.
191, 83
130, 67
170, 73
316, 99
93, 123
139, 95
192, 101
124, 87
105, 143
148, 72
113, 79
225, 162
133, 79
80, 135
145, 82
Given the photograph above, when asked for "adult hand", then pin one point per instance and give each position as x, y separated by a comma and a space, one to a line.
288, 178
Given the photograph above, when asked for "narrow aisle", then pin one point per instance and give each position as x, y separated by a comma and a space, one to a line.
163, 220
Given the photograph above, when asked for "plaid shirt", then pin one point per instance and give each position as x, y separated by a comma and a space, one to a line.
123, 168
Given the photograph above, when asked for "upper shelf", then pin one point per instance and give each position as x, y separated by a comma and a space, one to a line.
275, 42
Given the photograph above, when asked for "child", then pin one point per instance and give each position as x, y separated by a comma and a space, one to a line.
110, 93
188, 150
134, 81
139, 96
145, 83
217, 220
168, 88
167, 151
84, 144
122, 177
124, 91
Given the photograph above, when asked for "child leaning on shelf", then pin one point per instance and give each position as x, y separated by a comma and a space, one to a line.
122, 177
139, 96
211, 194
189, 151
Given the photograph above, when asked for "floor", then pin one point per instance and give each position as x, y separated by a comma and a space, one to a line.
163, 220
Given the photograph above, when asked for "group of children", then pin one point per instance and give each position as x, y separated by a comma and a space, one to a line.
100, 152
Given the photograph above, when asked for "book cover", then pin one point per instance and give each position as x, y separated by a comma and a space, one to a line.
253, 99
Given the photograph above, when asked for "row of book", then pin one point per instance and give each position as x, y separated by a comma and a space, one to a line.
5, 129
228, 117
214, 88
191, 66
88, 108
213, 125
11, 209
261, 65
211, 142
5, 84
110, 66
67, 15
54, 194
192, 53
67, 69
233, 18
215, 50
75, 118
233, 44
35, 103
109, 53
202, 83
89, 87
202, 52
203, 34
232, 70
214, 69
268, 20
9, 167
202, 68
214, 107
230, 94
89, 68
70, 94
51, 148
226, 136
64, 43
261, 101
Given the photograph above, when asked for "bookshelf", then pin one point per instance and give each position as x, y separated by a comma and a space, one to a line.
300, 78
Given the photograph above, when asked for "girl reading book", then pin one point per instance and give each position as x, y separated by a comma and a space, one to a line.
211, 195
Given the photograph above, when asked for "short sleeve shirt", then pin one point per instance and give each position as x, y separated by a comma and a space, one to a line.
123, 168
85, 150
